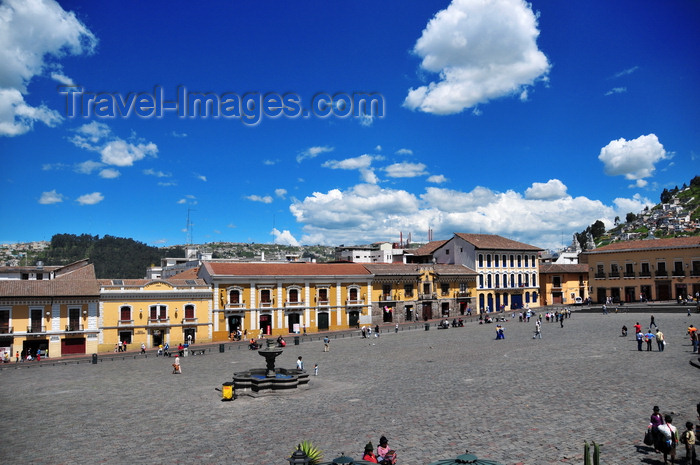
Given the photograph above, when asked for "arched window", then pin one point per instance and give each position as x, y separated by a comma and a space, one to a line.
294, 295
534, 296
488, 281
512, 280
481, 260
534, 280
189, 312
498, 280
527, 297
495, 260
125, 314
512, 261
481, 280
520, 261
488, 260
234, 297
353, 293
526, 261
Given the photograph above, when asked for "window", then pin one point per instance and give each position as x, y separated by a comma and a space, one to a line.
629, 270
498, 283
125, 314
323, 295
645, 270
294, 295
526, 261
40, 276
463, 287
234, 297
520, 261
512, 280
556, 281
481, 260
408, 290
495, 260
488, 281
265, 296
696, 268
354, 294
614, 271
512, 261
678, 269
5, 322
444, 288
189, 312
159, 312
661, 269
73, 319
534, 280
488, 260
481, 280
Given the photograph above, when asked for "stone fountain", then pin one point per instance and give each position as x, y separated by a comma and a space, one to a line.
269, 380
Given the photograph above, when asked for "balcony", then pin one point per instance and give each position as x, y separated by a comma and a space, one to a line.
267, 304
427, 296
125, 323
463, 294
232, 305
600, 275
323, 302
6, 330
662, 274
645, 274
74, 327
679, 274
631, 274
408, 295
614, 274
298, 303
189, 321
386, 297
158, 321
36, 328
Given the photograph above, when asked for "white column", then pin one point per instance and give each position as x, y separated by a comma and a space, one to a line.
212, 319
339, 311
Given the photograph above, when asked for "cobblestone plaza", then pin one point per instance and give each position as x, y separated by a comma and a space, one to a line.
433, 393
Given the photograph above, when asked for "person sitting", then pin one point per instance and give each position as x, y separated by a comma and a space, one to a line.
624, 331
369, 456
281, 342
253, 344
385, 454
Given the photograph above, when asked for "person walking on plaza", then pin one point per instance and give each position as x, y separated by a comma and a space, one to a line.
652, 323
688, 440
655, 421
300, 364
538, 330
669, 433
693, 332
326, 343
649, 338
660, 339
143, 348
177, 369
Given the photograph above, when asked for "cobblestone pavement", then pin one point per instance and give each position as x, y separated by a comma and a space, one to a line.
433, 393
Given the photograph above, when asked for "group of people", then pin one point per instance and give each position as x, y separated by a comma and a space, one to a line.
384, 455
24, 356
120, 346
648, 336
367, 331
663, 435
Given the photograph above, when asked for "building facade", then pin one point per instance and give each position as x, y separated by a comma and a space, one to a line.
653, 269
154, 312
561, 284
412, 292
283, 298
54, 311
507, 270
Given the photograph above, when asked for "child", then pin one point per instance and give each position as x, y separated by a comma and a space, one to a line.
688, 438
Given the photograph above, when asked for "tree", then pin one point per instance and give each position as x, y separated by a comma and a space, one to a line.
666, 196
695, 182
597, 229
631, 217
617, 220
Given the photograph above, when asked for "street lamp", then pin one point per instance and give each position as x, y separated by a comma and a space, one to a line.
299, 457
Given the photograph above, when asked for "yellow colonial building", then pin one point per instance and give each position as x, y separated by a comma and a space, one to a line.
561, 284
154, 312
652, 269
409, 292
282, 298
51, 309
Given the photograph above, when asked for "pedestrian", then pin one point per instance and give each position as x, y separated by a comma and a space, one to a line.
649, 338
538, 330
670, 438
300, 364
396, 328
376, 331
637, 328
177, 369
326, 344
120, 346
143, 348
688, 440
315, 369
640, 340
17, 356
652, 322
655, 421
561, 320
660, 339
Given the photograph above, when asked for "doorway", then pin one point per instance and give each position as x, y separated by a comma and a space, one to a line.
266, 324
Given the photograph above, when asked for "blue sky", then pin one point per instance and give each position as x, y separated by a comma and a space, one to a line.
528, 120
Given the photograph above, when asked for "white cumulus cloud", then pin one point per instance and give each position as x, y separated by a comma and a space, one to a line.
405, 170
258, 198
284, 237
50, 197
437, 179
90, 199
550, 190
481, 50
313, 152
33, 35
113, 150
634, 159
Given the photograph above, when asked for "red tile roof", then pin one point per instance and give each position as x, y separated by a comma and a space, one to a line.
427, 249
284, 269
80, 282
648, 244
563, 268
495, 242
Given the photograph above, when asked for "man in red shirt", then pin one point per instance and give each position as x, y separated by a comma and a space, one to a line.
637, 328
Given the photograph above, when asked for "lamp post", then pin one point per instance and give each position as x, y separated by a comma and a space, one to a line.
299, 457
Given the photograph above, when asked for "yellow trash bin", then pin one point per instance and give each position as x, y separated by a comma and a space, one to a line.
227, 391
